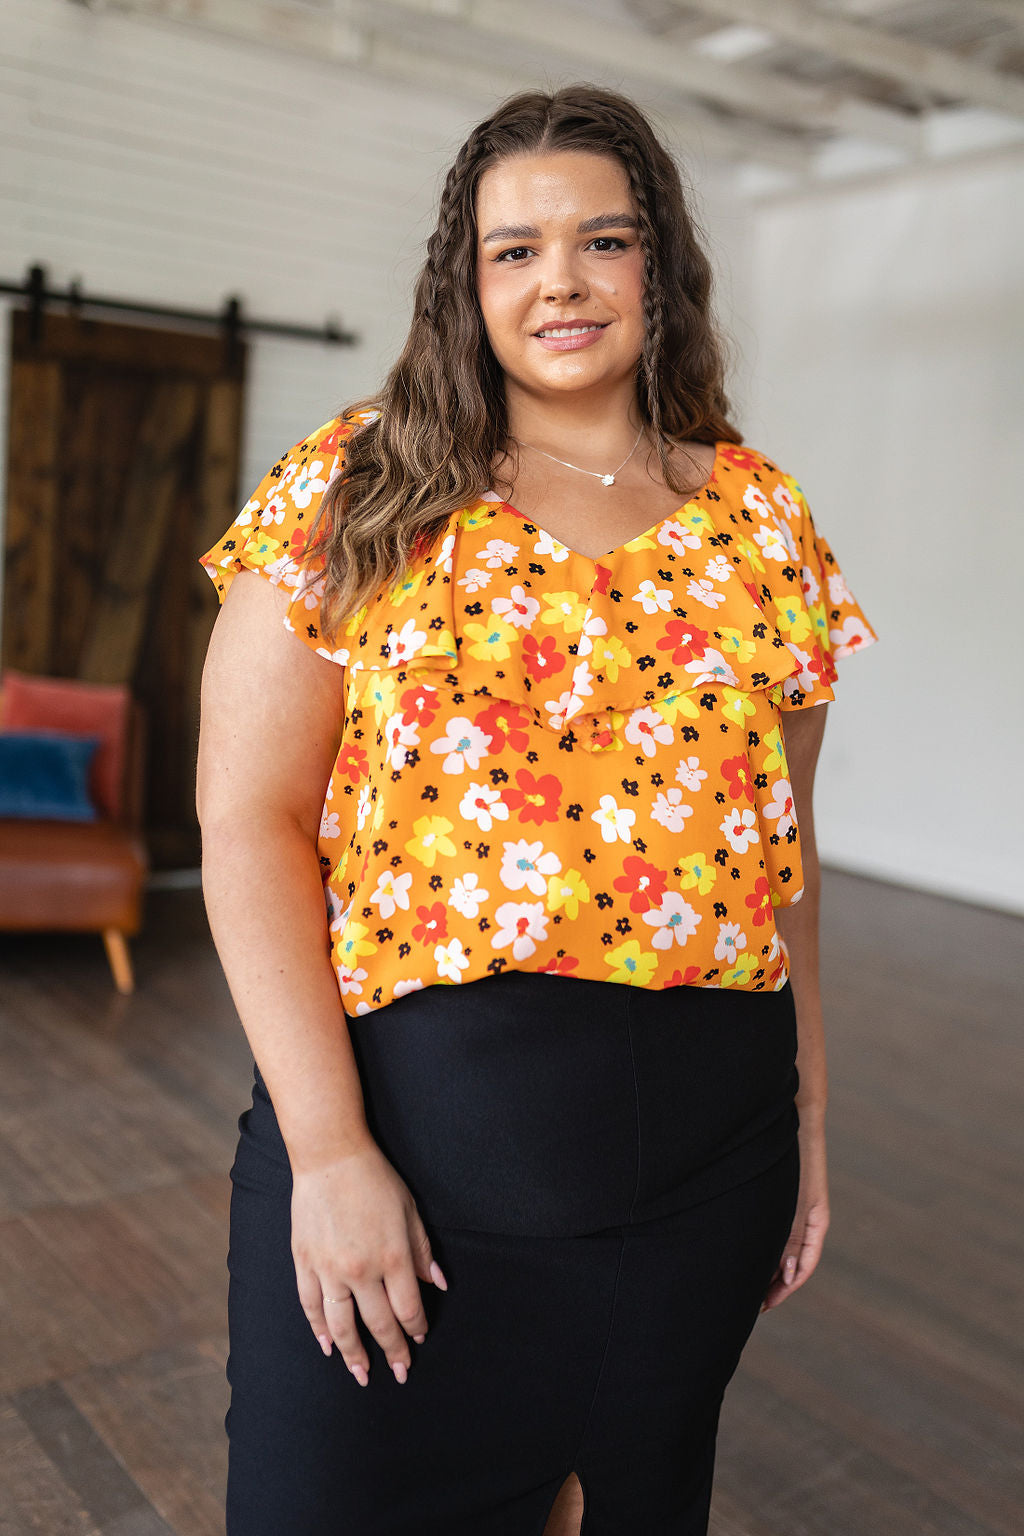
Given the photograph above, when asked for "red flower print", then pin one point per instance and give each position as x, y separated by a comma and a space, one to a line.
741, 457
419, 704
506, 725
536, 799
736, 772
752, 588
433, 923
329, 444
645, 882
562, 965
822, 666
687, 978
542, 657
352, 762
760, 902
684, 640
602, 579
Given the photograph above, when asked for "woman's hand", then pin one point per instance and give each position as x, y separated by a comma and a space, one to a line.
803, 1250
357, 1240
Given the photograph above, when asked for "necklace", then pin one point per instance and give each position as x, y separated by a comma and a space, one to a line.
604, 479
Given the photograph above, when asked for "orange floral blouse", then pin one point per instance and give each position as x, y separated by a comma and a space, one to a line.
553, 763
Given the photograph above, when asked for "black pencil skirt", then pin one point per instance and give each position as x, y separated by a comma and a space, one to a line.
608, 1177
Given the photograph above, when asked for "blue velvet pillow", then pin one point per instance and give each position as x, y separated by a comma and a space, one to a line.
44, 775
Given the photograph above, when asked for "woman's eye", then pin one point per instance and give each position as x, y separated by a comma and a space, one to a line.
518, 251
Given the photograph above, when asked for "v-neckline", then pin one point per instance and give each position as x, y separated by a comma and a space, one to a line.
619, 548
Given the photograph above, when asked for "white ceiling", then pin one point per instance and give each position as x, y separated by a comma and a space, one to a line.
789, 93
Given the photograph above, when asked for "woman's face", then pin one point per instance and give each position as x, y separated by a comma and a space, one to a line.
557, 249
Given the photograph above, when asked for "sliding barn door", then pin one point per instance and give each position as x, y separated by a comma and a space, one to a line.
122, 467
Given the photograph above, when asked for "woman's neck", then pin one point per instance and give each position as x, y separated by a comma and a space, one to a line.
597, 428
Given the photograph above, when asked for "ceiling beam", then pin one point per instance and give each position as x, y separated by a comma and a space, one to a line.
759, 97
875, 50
336, 35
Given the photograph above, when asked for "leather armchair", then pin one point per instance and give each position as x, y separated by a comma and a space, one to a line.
79, 876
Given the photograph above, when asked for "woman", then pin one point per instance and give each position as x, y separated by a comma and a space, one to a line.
498, 863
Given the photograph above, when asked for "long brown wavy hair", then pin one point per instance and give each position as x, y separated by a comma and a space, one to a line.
443, 422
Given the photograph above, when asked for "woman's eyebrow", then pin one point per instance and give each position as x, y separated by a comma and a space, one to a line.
588, 227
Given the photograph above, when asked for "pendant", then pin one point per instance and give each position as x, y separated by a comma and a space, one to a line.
607, 479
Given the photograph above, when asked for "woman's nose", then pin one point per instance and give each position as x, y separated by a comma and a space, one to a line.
561, 280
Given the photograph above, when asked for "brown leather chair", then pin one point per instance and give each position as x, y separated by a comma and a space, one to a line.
79, 876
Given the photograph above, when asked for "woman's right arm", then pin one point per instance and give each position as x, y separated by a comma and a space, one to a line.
272, 714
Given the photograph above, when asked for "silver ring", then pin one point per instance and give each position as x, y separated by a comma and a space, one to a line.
336, 1301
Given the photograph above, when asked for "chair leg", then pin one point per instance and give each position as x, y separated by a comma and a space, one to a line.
116, 945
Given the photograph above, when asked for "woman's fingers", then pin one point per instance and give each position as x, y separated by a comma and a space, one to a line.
378, 1314
340, 1311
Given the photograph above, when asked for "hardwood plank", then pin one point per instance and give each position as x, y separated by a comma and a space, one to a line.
34, 1498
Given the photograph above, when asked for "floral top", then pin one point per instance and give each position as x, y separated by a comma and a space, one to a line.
553, 763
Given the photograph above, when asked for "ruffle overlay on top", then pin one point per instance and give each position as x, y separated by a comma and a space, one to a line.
512, 702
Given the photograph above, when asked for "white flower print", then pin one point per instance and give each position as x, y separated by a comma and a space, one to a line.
669, 811
731, 942
274, 511
838, 591
525, 863
341, 657
475, 580
718, 569
350, 980
329, 827
851, 634
402, 737
675, 921
522, 924
780, 807
412, 984
451, 960
755, 500
464, 743
364, 805
690, 773
712, 667
558, 710
518, 609
467, 895
404, 643
310, 596
443, 558
482, 804
647, 729
653, 599
592, 625
783, 497
809, 585
498, 552
550, 547
307, 484
804, 680
614, 820
678, 537
391, 892
706, 593
771, 543
244, 517
740, 830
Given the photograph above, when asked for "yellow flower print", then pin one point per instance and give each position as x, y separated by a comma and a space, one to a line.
675, 704
733, 644
737, 705
564, 608
477, 515
695, 517
776, 757
492, 641
609, 655
263, 549
697, 872
819, 622
792, 618
750, 552
566, 891
408, 586
632, 964
354, 943
379, 695
431, 839
738, 975
357, 620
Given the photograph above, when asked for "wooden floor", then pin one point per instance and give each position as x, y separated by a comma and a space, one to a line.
882, 1400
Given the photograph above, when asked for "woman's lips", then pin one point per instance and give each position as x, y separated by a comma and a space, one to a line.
571, 343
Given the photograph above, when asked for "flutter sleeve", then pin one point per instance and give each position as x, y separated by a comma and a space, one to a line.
269, 533
822, 622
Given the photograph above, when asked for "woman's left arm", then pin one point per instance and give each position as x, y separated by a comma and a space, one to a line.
803, 730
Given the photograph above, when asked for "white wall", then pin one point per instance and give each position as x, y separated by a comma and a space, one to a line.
885, 369
877, 359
